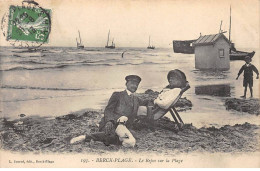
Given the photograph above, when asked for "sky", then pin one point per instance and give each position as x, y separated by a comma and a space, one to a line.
132, 21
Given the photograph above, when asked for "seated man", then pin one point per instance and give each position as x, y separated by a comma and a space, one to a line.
119, 115
167, 97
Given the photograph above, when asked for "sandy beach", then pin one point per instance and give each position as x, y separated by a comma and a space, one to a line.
41, 135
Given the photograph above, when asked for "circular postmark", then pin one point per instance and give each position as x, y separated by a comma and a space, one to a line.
28, 25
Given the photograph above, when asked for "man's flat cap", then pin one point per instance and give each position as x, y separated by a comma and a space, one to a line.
133, 78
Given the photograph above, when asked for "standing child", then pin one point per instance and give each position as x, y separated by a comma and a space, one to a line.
248, 69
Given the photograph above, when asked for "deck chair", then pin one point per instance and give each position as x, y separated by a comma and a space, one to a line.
157, 112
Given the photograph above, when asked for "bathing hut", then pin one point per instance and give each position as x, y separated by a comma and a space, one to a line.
212, 52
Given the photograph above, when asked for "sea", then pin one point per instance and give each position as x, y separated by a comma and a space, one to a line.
60, 80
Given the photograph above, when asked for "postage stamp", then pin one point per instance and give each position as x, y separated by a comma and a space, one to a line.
28, 24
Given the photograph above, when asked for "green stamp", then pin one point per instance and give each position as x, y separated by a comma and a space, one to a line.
29, 24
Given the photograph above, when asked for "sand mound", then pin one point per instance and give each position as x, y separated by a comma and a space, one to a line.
250, 106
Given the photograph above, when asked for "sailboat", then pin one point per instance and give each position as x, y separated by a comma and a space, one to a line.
79, 44
149, 46
112, 46
235, 54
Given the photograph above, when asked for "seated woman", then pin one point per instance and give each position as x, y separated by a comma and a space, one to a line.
167, 97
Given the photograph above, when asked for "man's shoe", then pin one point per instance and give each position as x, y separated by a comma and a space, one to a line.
77, 139
243, 97
88, 138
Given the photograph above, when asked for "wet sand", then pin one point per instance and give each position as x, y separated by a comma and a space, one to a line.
250, 106
52, 135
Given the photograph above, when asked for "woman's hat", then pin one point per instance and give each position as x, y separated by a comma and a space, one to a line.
178, 74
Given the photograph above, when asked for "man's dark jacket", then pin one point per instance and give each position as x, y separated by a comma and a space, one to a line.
121, 104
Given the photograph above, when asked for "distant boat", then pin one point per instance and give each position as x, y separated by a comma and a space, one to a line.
149, 46
79, 44
239, 55
235, 54
183, 46
24, 49
112, 46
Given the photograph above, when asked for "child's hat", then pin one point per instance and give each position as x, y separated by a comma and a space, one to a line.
248, 58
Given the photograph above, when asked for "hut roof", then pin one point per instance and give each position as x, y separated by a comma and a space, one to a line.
209, 39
